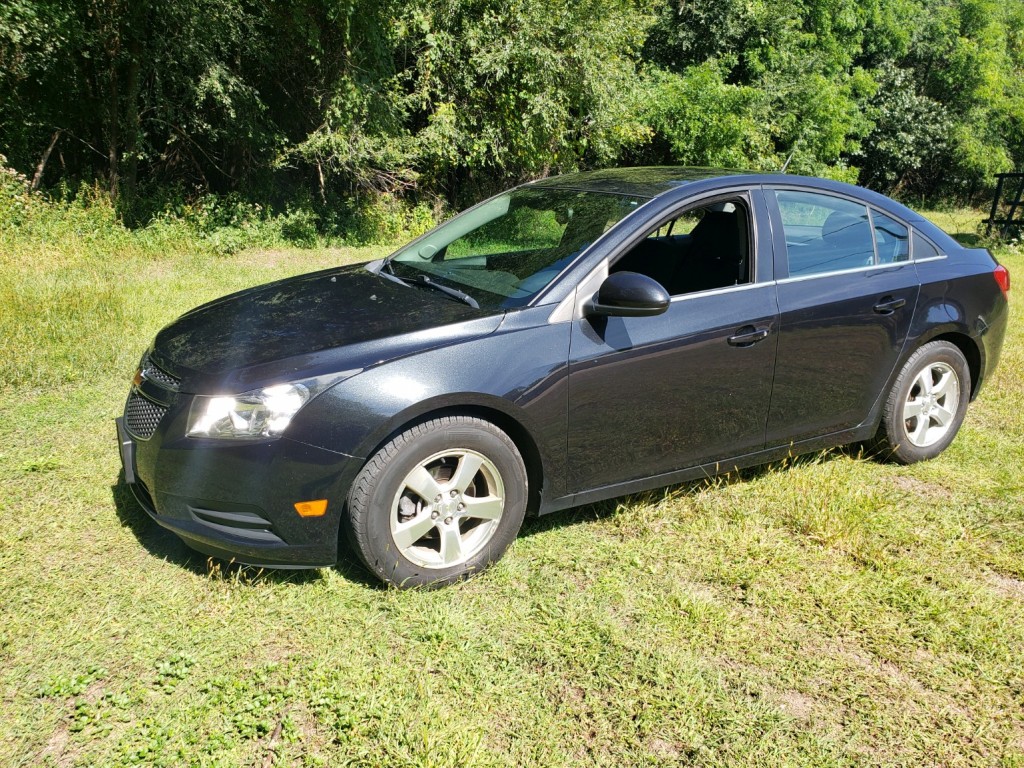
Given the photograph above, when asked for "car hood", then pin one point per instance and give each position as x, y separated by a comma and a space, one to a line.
339, 319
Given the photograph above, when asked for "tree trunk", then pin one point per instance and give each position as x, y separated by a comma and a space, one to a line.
113, 132
41, 168
133, 137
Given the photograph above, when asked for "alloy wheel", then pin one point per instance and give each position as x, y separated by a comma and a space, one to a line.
447, 508
931, 405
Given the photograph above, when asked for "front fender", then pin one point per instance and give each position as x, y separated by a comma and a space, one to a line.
519, 372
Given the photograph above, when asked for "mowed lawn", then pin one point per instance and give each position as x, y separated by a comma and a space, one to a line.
832, 611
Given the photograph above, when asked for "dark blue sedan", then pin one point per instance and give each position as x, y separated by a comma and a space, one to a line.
573, 339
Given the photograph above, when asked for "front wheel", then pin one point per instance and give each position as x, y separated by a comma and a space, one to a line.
927, 404
440, 501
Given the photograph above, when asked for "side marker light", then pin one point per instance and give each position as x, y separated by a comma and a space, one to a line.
311, 508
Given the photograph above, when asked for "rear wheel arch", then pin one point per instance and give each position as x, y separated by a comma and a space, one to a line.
968, 347
970, 350
925, 405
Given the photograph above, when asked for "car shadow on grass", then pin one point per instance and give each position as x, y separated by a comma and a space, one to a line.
157, 541
610, 507
161, 543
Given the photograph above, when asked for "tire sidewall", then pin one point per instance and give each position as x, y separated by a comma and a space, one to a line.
895, 428
370, 518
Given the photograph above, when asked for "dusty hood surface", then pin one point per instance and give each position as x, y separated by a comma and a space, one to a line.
334, 317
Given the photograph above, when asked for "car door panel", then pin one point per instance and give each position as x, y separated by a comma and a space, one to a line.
836, 350
841, 334
653, 394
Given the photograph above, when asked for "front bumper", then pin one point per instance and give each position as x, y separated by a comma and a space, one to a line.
235, 501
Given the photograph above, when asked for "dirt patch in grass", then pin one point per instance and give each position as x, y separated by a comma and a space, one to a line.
56, 748
663, 749
920, 488
1007, 585
312, 740
797, 705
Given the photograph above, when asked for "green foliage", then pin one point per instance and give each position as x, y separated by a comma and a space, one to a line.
339, 106
149, 87
700, 119
383, 218
348, 105
174, 669
520, 90
15, 203
909, 141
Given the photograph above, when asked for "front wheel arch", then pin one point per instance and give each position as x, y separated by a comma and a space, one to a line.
520, 435
403, 556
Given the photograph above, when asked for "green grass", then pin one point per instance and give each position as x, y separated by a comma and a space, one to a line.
832, 611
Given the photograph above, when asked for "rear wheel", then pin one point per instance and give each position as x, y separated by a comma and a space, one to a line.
927, 404
439, 502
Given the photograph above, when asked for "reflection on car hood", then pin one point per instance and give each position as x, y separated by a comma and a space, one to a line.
323, 322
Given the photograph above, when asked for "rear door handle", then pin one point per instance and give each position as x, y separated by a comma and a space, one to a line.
888, 305
748, 336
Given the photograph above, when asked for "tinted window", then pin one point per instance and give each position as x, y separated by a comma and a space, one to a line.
824, 233
702, 249
923, 249
892, 239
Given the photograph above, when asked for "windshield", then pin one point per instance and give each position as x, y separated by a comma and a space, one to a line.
508, 249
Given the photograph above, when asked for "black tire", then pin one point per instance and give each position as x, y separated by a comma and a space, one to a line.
906, 440
381, 496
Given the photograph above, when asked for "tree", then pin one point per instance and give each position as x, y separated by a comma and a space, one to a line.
453, 98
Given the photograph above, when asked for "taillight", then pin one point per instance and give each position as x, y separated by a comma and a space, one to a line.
1002, 276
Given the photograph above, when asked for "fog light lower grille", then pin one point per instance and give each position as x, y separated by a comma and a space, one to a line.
142, 416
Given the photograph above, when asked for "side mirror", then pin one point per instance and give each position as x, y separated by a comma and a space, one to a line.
629, 294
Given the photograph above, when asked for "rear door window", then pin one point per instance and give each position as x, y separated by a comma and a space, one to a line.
824, 233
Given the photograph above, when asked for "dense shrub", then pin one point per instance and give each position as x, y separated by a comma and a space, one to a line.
348, 106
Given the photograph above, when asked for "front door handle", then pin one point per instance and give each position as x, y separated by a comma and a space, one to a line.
888, 305
748, 335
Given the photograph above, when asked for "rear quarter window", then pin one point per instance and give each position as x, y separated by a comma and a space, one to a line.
923, 247
892, 239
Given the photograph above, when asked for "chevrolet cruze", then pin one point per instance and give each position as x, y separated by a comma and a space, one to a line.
570, 340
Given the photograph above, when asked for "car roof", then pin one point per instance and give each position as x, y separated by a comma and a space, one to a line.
656, 181
641, 182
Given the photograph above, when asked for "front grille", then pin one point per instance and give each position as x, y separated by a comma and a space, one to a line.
151, 372
142, 416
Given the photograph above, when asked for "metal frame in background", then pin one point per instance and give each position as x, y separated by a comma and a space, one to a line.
1016, 203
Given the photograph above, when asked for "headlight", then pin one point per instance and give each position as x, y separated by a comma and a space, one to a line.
253, 415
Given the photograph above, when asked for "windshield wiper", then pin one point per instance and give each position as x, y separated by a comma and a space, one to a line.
383, 269
453, 292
